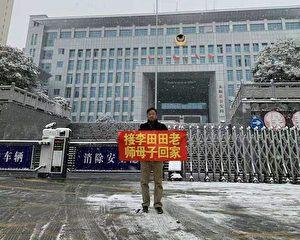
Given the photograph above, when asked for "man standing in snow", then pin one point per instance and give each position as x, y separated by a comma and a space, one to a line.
155, 166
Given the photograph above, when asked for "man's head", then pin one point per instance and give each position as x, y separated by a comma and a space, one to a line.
152, 114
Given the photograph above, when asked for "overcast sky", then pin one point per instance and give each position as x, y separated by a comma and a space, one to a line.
24, 8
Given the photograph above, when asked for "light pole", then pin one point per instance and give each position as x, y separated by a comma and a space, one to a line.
156, 55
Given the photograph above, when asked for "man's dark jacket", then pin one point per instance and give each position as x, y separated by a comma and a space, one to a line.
153, 125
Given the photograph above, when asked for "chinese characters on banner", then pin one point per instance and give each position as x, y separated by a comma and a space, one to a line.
15, 157
101, 158
152, 145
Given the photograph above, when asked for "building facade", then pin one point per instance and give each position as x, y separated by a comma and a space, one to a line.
6, 7
107, 64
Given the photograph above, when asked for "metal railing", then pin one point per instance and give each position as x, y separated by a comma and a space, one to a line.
11, 93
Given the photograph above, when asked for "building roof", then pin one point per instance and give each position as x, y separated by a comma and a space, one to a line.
202, 17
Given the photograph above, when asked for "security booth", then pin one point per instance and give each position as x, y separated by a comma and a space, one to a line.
53, 159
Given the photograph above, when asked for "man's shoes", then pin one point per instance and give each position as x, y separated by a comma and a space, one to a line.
145, 209
159, 210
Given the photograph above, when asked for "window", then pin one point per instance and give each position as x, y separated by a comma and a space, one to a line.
104, 52
255, 47
189, 30
117, 106
176, 50
47, 54
110, 33
173, 31
229, 61
83, 106
228, 48
292, 25
248, 75
125, 106
210, 48
100, 107
160, 31
75, 106
46, 67
109, 91
143, 61
96, 53
127, 52
229, 75
76, 92
144, 51
110, 78
56, 92
95, 64
103, 64
80, 53
135, 62
237, 48
231, 90
118, 77
222, 28
111, 63
219, 49
246, 47
72, 53
59, 64
152, 51
240, 27
239, 75
58, 78
102, 78
185, 50
84, 92
120, 52
93, 92
193, 50
117, 91
126, 77
127, 63
79, 65
238, 59
88, 53
125, 91
247, 61
257, 27
108, 106
65, 34
101, 92
202, 59
135, 52
87, 65
86, 78
95, 34
79, 34
112, 52
71, 65
132, 91
94, 77
141, 32
125, 33
201, 29
61, 51
220, 59
274, 26
50, 38
69, 78
77, 78
202, 49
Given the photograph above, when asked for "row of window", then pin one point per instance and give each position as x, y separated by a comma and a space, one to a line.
239, 75
92, 118
91, 92
51, 36
150, 51
82, 106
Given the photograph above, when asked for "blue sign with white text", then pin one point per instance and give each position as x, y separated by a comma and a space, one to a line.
15, 157
256, 122
102, 158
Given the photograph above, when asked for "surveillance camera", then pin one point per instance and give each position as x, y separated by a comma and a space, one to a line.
50, 125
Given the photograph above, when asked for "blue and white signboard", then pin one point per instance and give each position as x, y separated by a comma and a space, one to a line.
102, 158
256, 122
15, 157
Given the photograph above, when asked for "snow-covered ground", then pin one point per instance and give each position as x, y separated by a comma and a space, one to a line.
197, 210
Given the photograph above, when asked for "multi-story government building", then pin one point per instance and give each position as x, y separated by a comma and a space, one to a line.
6, 7
107, 64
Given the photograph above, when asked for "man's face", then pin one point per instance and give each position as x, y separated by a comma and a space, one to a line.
152, 116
